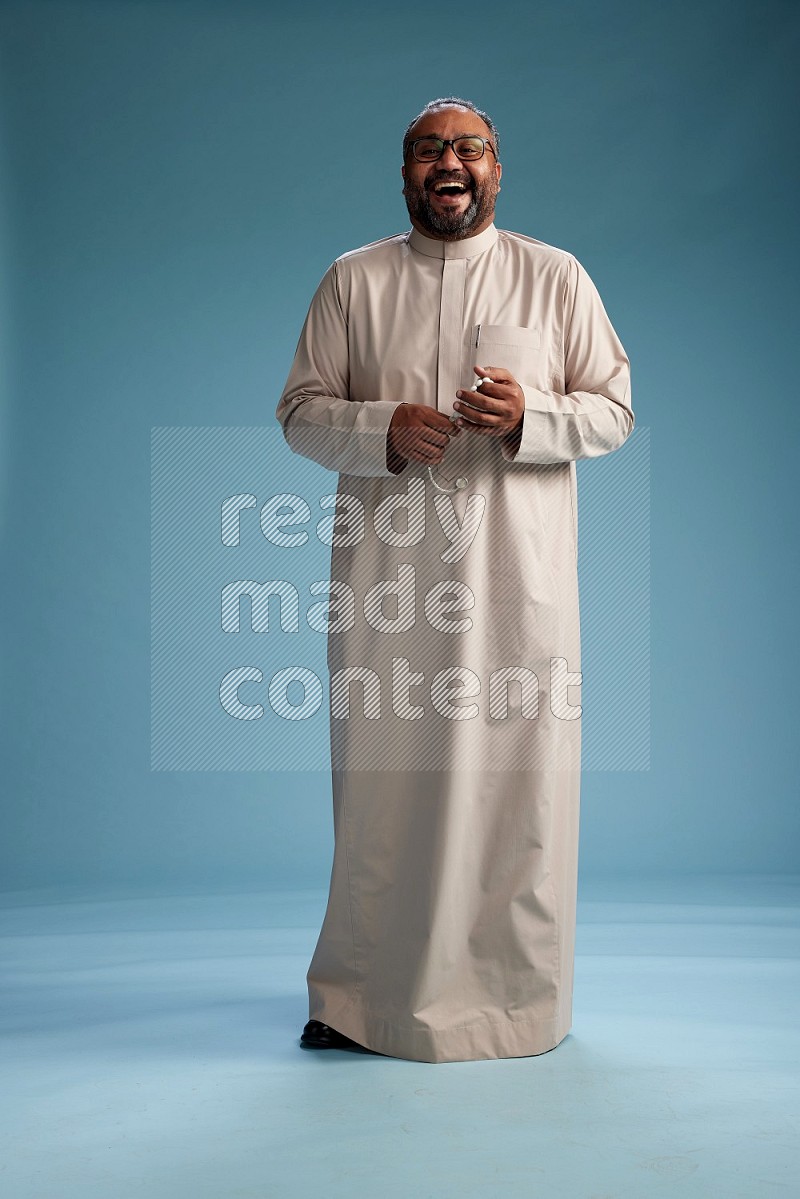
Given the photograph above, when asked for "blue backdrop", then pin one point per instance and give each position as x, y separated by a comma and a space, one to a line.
176, 177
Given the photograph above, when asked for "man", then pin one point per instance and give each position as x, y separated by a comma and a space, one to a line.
452, 375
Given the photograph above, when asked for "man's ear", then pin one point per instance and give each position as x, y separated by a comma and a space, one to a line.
403, 172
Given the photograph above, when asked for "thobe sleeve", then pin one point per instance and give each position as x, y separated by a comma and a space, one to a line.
593, 416
318, 417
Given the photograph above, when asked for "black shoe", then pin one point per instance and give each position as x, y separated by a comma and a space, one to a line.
317, 1035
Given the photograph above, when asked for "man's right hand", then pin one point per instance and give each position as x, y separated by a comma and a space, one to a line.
419, 433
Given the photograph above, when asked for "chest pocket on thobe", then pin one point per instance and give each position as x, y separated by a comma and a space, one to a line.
515, 347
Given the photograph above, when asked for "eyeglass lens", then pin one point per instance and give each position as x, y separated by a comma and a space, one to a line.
428, 149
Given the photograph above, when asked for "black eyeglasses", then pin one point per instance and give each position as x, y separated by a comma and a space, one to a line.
468, 149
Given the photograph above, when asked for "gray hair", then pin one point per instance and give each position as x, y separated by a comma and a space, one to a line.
451, 102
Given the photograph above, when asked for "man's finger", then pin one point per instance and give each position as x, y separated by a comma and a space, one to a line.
433, 437
482, 420
434, 419
496, 393
481, 401
428, 453
497, 373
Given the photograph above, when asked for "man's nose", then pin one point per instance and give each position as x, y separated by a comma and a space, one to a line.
450, 160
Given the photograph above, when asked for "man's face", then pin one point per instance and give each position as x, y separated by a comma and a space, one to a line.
451, 217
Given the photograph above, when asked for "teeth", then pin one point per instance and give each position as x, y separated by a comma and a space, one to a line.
441, 186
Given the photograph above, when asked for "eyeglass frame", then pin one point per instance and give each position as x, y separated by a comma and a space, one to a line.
445, 142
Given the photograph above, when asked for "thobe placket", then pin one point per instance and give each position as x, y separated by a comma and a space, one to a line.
451, 323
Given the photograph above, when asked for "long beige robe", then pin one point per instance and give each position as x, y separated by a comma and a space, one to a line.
453, 640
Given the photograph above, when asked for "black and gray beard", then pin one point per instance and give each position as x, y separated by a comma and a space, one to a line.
449, 225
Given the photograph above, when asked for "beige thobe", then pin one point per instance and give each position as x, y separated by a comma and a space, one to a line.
453, 640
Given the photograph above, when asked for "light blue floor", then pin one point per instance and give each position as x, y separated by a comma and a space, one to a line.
150, 1049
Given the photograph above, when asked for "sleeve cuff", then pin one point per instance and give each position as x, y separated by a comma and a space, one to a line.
535, 422
372, 429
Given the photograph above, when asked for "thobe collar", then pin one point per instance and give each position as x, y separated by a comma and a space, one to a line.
465, 247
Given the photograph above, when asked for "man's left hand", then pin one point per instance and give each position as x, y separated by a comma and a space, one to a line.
496, 409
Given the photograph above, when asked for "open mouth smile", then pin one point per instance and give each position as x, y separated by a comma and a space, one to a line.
449, 192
